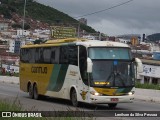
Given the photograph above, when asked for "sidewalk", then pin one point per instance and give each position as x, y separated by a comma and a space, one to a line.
147, 95
140, 94
9, 79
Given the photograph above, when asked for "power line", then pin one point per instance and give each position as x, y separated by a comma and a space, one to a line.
105, 9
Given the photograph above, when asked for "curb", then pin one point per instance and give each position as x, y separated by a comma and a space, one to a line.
147, 98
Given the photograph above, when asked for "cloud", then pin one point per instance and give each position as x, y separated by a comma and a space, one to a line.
138, 16
115, 27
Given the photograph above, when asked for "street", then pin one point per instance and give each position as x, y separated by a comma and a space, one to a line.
10, 92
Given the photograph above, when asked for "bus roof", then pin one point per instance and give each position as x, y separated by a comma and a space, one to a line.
76, 41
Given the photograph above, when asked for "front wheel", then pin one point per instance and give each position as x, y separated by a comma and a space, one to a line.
74, 98
112, 105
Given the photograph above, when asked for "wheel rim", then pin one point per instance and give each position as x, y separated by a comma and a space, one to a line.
30, 91
35, 92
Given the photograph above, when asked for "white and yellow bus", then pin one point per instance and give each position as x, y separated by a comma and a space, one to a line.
80, 70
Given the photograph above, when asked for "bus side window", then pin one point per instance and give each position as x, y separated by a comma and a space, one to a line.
64, 55
41, 55
55, 55
31, 55
73, 55
37, 55
83, 63
24, 55
47, 54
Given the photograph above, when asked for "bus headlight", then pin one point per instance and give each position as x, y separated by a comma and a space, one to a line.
131, 93
95, 93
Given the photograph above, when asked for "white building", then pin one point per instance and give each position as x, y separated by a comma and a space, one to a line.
90, 37
3, 26
23, 32
11, 67
123, 40
151, 72
43, 34
14, 45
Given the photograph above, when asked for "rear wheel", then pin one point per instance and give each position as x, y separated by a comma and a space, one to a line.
30, 91
112, 105
35, 91
74, 98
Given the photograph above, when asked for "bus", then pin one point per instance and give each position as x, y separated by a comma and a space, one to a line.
79, 70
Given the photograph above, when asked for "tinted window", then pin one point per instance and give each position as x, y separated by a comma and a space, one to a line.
73, 55
37, 55
47, 55
64, 55
24, 55
55, 55
31, 55
83, 63
68, 55
109, 53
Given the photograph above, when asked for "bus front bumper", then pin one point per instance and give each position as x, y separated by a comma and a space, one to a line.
111, 99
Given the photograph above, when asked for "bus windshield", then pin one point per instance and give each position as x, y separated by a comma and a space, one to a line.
112, 67
109, 53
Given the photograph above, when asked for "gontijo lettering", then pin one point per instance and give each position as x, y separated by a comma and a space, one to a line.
36, 69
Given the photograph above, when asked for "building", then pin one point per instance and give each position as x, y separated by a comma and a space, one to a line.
23, 33
124, 41
90, 37
83, 21
151, 70
132, 38
14, 46
3, 26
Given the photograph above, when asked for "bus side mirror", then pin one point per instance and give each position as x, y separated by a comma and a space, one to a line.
89, 65
139, 65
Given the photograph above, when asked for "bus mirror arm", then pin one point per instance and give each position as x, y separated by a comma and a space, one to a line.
133, 59
89, 65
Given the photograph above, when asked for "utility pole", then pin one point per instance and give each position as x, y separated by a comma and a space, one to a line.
24, 14
1, 62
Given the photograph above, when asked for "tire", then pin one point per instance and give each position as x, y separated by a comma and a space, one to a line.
30, 91
35, 92
74, 98
112, 105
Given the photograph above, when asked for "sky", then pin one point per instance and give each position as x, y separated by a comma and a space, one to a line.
134, 17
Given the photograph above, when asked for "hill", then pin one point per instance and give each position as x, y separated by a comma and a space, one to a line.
154, 37
37, 12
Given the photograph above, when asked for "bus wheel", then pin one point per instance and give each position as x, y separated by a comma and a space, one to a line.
112, 105
35, 91
74, 98
30, 91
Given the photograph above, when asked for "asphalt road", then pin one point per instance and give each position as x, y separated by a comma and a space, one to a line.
11, 92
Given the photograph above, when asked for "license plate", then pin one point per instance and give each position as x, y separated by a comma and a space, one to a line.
114, 99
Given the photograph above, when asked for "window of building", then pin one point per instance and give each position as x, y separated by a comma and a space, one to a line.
146, 79
155, 81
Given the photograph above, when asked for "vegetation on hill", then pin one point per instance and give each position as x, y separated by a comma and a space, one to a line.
154, 37
39, 12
